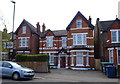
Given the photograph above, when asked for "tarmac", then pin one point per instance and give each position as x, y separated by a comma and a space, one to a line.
67, 75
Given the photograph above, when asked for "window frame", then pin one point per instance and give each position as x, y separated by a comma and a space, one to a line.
79, 23
117, 35
24, 28
64, 42
82, 59
23, 41
76, 40
111, 56
49, 41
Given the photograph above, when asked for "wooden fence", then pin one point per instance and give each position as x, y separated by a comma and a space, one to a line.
36, 66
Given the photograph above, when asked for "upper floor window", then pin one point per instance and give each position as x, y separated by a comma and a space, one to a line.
49, 41
64, 42
79, 39
24, 30
79, 23
115, 36
24, 41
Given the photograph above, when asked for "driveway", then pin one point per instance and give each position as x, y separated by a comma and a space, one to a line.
66, 75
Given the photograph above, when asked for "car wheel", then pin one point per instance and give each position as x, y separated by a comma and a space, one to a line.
15, 76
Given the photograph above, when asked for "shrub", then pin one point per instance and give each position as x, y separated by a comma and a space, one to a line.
37, 57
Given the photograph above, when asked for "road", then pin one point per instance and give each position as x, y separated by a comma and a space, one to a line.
63, 75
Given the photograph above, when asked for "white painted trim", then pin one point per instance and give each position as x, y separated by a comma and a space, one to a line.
110, 48
49, 52
115, 30
111, 56
90, 37
91, 55
81, 68
79, 50
23, 37
51, 48
79, 65
118, 48
86, 46
117, 35
78, 33
79, 28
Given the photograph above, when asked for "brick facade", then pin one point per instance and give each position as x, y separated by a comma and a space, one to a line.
70, 55
32, 42
110, 49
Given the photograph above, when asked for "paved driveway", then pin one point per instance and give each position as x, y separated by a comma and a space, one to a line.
65, 75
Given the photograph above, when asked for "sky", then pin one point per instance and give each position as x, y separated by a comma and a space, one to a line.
56, 14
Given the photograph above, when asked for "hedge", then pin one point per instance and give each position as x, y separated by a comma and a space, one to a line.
37, 57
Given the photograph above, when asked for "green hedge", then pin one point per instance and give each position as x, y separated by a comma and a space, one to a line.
37, 57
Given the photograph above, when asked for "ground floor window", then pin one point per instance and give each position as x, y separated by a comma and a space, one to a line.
51, 59
111, 58
79, 59
118, 56
87, 60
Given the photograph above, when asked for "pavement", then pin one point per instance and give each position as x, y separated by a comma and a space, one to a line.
67, 75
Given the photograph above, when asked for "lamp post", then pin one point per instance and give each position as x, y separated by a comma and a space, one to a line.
13, 28
13, 20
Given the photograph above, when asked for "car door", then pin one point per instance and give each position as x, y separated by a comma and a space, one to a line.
7, 69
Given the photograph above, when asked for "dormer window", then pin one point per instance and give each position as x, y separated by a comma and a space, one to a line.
115, 36
79, 23
24, 30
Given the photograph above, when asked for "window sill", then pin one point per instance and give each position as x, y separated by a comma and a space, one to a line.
87, 65
79, 65
72, 64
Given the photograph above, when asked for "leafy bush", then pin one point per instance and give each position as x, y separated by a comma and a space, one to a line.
37, 57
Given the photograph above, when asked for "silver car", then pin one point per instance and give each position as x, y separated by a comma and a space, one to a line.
15, 70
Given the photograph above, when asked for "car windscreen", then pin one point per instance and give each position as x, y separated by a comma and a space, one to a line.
17, 65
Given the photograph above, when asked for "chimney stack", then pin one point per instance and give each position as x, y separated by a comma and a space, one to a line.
119, 10
38, 28
90, 19
43, 28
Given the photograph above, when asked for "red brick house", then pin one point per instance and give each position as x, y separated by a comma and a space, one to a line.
73, 47
109, 41
80, 42
27, 38
53, 43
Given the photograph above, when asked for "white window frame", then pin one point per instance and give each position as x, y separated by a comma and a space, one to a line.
82, 41
72, 60
117, 36
24, 30
87, 59
20, 52
82, 61
111, 55
23, 43
118, 49
49, 41
51, 59
79, 23
64, 41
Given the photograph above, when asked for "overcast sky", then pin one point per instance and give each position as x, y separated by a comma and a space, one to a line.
56, 14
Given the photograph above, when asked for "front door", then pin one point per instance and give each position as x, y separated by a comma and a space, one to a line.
62, 62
